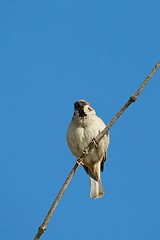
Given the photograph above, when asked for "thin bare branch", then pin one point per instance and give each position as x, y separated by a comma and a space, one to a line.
132, 99
43, 226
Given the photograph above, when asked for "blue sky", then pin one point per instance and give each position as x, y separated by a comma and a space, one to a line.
51, 54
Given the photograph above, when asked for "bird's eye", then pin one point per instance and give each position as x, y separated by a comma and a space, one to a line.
90, 109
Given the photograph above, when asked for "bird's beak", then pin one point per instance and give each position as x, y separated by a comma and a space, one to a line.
78, 104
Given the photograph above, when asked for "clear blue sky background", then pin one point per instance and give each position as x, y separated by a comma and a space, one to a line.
51, 54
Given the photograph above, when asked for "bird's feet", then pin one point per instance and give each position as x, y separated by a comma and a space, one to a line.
79, 161
95, 143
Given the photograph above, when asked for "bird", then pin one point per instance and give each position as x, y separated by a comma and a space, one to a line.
83, 128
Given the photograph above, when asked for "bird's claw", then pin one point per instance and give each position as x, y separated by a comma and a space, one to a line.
94, 142
80, 162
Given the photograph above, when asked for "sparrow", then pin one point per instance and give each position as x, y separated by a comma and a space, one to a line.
84, 127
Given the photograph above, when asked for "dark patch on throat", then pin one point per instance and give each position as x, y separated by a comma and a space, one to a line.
81, 113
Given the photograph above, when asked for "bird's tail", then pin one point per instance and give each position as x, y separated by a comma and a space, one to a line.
96, 190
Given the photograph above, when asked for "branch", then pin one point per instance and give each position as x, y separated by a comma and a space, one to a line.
132, 99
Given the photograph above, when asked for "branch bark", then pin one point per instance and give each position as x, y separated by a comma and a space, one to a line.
132, 99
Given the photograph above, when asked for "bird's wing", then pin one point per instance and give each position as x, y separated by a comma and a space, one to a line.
103, 161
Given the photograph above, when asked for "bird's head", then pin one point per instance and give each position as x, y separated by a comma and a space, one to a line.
83, 109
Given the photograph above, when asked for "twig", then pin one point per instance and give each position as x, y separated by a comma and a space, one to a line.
132, 99
43, 227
